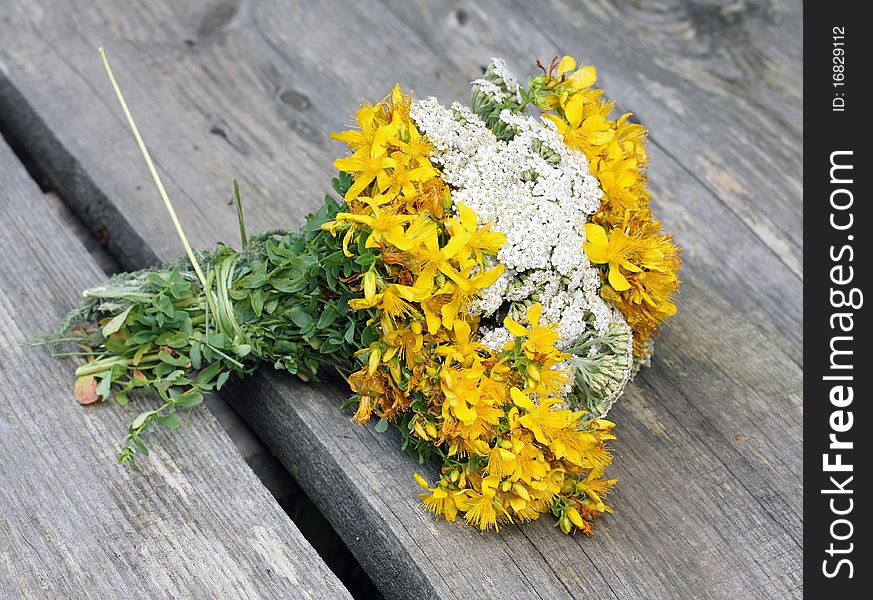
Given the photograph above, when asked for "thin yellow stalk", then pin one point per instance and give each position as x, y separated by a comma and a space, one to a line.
157, 179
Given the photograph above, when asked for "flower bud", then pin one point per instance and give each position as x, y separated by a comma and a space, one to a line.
575, 518
375, 357
369, 285
521, 491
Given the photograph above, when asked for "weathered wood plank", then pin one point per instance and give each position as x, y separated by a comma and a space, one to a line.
195, 523
251, 90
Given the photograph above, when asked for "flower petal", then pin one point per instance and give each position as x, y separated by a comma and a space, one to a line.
534, 313
596, 234
567, 64
616, 279
514, 327
583, 78
573, 110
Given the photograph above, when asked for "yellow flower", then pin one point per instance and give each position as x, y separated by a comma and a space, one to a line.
642, 275
365, 409
415, 146
391, 301
402, 179
594, 487
421, 232
370, 285
431, 258
462, 348
614, 249
406, 340
582, 78
365, 168
484, 509
442, 501
547, 379
561, 80
429, 267
432, 309
542, 419
540, 340
478, 241
587, 133
501, 461
641, 271
463, 288
384, 225
357, 139
461, 390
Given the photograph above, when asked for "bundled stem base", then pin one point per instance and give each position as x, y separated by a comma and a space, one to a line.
282, 300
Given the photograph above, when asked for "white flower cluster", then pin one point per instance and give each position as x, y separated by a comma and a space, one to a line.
510, 83
540, 194
490, 88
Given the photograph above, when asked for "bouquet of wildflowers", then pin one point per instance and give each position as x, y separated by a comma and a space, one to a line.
488, 281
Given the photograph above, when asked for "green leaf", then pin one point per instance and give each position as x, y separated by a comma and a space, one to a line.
194, 355
177, 377
176, 361
327, 318
165, 305
257, 301
140, 352
170, 421
217, 340
103, 388
222, 379
141, 419
300, 317
121, 398
189, 399
382, 425
207, 374
158, 281
140, 447
117, 321
173, 339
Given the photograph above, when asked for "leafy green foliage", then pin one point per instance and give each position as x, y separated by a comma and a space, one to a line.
283, 300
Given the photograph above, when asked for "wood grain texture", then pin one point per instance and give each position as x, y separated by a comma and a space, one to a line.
251, 89
195, 523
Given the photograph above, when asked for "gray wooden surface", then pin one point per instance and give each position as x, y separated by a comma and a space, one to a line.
708, 454
196, 523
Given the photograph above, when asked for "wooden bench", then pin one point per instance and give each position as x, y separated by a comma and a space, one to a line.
72, 523
708, 455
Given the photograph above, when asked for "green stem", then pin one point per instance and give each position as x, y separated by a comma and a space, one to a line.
239, 214
106, 293
151, 166
102, 365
